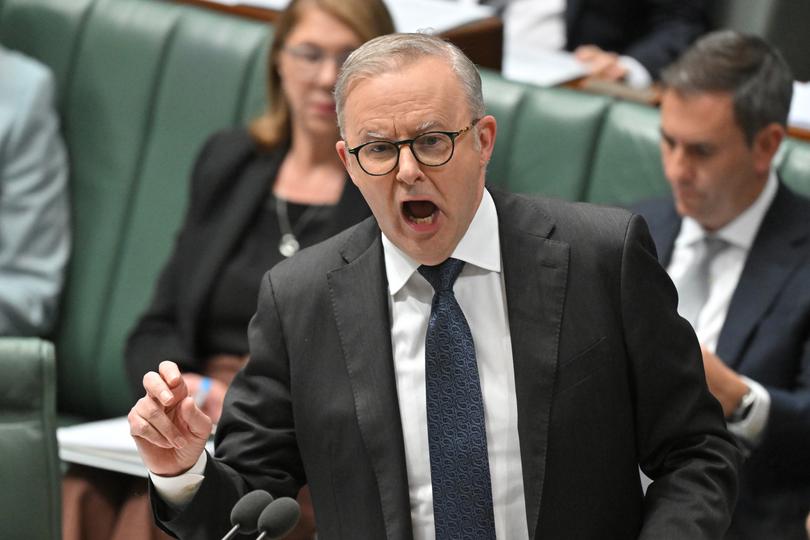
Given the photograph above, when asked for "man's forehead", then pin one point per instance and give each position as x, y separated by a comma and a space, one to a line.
413, 99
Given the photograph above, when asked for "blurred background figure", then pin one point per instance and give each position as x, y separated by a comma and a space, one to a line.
258, 195
736, 242
618, 40
34, 210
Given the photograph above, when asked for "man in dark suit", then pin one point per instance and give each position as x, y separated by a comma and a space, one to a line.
465, 364
723, 116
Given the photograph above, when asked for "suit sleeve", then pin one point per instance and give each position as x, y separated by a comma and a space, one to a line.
682, 442
34, 210
785, 442
672, 26
255, 441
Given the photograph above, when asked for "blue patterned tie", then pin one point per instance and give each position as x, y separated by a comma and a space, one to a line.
459, 464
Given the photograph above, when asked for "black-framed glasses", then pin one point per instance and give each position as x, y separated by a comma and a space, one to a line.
432, 148
309, 58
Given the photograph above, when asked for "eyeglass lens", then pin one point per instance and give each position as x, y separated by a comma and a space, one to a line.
310, 57
432, 148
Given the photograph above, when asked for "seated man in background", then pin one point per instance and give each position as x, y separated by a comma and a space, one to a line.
736, 242
34, 212
618, 40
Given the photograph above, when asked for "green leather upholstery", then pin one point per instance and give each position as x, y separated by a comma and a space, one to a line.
143, 82
46, 29
554, 131
795, 169
187, 105
626, 166
503, 100
30, 504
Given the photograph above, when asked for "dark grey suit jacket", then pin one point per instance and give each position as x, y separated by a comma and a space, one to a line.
607, 377
766, 336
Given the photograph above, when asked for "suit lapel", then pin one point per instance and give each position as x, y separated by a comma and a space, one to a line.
360, 305
774, 255
535, 273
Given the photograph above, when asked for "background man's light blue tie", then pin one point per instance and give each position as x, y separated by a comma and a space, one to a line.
459, 463
695, 285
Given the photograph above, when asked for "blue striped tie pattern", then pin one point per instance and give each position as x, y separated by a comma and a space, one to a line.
459, 463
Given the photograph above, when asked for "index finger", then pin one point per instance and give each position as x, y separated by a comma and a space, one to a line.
170, 373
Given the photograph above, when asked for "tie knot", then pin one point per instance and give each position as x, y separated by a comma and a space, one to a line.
442, 276
713, 245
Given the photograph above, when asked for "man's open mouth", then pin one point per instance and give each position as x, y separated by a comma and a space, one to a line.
419, 211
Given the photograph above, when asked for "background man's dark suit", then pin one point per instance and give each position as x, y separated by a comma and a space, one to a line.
654, 32
766, 336
607, 377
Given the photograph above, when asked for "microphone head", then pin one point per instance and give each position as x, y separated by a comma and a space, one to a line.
279, 518
247, 510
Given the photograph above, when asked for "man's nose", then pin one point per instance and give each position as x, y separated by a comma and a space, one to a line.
408, 170
678, 166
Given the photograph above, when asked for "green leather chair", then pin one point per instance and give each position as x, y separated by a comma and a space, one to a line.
554, 137
795, 168
143, 83
30, 503
503, 100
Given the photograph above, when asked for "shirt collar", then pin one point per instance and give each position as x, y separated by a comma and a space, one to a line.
741, 230
480, 246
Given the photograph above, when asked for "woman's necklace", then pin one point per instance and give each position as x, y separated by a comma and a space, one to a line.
289, 245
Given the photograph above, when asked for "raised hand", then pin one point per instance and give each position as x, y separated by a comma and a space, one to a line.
169, 429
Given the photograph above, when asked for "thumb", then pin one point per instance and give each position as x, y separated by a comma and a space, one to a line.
198, 424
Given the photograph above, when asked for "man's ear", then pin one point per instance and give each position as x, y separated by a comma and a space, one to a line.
486, 129
765, 145
343, 153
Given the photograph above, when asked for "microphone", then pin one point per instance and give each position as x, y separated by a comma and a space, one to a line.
246, 512
278, 519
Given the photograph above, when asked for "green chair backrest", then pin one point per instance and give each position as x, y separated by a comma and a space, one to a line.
554, 138
144, 83
627, 165
30, 501
502, 99
795, 168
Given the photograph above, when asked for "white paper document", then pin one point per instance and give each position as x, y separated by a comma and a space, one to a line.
432, 16
542, 67
800, 106
105, 444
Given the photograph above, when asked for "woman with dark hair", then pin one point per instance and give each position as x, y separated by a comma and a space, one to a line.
258, 195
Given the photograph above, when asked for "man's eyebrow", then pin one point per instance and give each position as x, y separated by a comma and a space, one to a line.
426, 125
703, 147
374, 135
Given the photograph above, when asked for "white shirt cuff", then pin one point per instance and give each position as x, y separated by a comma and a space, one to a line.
177, 491
750, 429
637, 75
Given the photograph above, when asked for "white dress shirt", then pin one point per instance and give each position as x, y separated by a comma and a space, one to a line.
481, 293
724, 274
